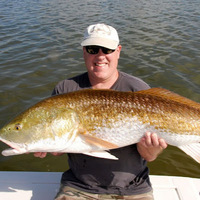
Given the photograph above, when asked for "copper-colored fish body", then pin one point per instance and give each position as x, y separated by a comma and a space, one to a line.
96, 120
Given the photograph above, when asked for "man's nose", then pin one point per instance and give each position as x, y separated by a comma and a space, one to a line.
100, 53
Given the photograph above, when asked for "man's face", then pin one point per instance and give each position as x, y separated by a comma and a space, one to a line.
101, 66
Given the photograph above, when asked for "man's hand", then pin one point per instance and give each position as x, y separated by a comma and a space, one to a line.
150, 146
43, 154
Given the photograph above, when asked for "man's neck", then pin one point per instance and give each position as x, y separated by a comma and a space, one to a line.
104, 84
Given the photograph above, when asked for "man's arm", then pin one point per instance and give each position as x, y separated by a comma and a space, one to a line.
150, 146
43, 154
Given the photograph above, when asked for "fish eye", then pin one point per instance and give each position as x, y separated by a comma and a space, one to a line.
17, 126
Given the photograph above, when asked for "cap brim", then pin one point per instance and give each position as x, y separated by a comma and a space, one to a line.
103, 42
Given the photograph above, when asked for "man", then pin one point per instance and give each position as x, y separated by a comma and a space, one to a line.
97, 178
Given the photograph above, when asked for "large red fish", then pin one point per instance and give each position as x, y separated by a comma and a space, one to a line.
92, 121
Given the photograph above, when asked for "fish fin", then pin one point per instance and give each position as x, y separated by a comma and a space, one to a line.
101, 154
166, 94
98, 142
12, 152
192, 150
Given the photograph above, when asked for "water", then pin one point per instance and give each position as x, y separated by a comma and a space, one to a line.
40, 45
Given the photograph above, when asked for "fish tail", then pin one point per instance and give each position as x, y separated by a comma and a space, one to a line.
192, 150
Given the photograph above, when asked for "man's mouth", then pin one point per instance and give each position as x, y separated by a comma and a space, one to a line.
100, 64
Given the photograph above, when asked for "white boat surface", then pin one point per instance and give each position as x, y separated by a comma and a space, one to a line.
44, 186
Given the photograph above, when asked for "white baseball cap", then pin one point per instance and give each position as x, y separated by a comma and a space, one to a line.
101, 35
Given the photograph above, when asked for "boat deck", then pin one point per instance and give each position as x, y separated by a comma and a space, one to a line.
44, 186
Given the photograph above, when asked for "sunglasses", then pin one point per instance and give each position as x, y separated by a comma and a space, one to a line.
95, 50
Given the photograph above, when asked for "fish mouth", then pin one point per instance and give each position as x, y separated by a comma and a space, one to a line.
15, 148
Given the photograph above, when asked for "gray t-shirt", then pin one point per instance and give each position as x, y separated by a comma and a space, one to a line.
127, 176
